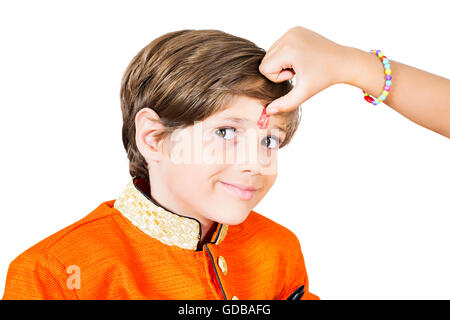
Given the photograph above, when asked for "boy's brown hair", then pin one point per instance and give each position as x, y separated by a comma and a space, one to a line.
188, 75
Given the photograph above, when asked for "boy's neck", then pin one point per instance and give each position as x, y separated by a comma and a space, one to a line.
207, 235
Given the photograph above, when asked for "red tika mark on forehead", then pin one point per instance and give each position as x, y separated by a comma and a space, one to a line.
263, 121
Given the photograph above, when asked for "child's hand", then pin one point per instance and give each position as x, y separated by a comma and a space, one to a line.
316, 62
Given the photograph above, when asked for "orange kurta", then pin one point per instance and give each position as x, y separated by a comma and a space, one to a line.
133, 248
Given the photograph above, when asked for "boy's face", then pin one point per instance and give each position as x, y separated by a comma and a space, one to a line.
218, 169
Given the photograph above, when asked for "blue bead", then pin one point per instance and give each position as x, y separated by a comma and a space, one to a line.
382, 97
385, 61
387, 66
389, 83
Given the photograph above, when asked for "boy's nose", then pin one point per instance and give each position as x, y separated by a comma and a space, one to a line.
257, 163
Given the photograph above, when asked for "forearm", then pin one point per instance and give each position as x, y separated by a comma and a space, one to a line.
420, 96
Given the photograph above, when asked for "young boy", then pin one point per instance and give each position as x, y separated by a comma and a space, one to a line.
183, 227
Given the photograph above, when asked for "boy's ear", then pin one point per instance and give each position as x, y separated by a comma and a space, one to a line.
147, 125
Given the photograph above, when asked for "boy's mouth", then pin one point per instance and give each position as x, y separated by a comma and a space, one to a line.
244, 192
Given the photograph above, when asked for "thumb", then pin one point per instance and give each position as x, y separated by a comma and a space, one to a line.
285, 74
290, 101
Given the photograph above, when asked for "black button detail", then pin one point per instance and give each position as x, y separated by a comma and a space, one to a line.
297, 294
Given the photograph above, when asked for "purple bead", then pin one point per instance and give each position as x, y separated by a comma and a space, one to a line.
378, 51
387, 88
388, 77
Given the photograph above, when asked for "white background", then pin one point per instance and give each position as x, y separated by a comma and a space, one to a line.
365, 189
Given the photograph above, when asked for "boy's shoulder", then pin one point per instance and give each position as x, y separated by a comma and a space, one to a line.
40, 271
72, 235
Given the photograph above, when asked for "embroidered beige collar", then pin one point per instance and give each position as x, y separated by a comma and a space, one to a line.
160, 223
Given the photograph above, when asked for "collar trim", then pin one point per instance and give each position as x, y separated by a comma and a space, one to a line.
160, 223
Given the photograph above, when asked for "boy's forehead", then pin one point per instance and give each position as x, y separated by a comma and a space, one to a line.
247, 111
241, 103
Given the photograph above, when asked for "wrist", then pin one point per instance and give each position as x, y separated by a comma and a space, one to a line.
364, 70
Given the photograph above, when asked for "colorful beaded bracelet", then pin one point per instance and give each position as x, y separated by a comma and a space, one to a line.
387, 71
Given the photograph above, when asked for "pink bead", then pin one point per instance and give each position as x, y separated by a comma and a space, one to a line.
387, 88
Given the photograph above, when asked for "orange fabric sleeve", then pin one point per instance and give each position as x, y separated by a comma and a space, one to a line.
37, 275
297, 275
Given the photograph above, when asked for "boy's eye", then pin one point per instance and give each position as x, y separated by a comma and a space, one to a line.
228, 133
224, 133
271, 142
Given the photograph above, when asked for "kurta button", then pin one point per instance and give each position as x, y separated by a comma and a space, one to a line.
234, 298
222, 265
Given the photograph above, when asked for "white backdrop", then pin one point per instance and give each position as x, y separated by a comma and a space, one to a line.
365, 189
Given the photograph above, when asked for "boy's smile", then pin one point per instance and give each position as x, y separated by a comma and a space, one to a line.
216, 170
243, 192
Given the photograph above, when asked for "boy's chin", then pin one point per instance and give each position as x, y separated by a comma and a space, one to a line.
234, 219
